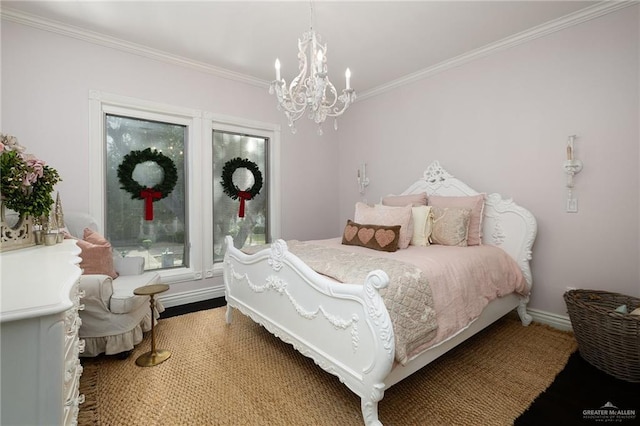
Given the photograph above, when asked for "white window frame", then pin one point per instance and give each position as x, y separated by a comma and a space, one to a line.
254, 128
101, 104
199, 152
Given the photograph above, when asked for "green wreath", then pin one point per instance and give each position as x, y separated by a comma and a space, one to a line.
139, 192
232, 190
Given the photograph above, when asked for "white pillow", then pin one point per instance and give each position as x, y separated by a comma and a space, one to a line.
132, 265
387, 216
422, 225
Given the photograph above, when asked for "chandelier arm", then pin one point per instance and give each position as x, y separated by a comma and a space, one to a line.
333, 96
294, 108
345, 99
285, 101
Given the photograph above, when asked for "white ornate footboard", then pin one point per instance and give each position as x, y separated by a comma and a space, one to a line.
344, 328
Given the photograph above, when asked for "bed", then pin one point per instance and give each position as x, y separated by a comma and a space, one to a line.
346, 327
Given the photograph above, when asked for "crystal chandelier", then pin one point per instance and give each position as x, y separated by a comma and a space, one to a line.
311, 89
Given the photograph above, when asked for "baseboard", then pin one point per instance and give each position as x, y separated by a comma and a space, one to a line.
191, 296
561, 322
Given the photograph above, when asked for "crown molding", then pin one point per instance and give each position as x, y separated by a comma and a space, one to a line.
125, 46
550, 27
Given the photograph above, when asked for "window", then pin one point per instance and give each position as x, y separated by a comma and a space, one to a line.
252, 228
161, 240
179, 241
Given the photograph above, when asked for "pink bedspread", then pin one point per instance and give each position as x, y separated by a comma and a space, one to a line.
463, 279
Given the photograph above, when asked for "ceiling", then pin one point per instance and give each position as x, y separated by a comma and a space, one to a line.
380, 41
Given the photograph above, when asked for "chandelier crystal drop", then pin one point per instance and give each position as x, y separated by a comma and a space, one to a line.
311, 89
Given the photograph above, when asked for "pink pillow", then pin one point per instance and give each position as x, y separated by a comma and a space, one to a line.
94, 237
96, 255
387, 216
402, 200
473, 202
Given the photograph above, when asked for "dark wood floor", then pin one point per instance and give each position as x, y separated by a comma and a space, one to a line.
193, 307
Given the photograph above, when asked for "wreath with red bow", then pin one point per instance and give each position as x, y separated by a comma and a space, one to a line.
232, 190
139, 192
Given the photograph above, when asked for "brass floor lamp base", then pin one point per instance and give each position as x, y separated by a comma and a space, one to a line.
153, 358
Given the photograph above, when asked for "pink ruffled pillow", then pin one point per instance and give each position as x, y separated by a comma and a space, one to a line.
387, 216
96, 255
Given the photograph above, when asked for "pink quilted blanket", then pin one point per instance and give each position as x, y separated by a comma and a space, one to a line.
408, 297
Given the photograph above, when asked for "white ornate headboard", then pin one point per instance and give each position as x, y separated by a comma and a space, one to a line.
505, 224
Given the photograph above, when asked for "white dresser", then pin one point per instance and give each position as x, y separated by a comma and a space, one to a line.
39, 365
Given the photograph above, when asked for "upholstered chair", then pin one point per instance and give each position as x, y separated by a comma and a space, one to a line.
113, 318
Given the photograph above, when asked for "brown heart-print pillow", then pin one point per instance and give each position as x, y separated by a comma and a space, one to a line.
376, 237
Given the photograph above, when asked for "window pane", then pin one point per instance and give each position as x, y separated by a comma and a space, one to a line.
161, 241
252, 229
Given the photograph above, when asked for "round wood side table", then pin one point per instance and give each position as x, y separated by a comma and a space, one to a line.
155, 356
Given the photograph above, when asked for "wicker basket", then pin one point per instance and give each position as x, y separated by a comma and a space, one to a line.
607, 339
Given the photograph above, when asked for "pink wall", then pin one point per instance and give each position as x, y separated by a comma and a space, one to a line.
500, 124
46, 80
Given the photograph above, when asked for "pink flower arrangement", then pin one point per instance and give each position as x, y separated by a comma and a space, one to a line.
35, 169
26, 182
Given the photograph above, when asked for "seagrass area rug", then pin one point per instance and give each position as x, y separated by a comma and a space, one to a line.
240, 374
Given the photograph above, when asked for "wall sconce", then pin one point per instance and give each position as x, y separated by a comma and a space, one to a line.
572, 167
363, 180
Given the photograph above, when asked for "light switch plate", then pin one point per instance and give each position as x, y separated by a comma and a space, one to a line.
572, 205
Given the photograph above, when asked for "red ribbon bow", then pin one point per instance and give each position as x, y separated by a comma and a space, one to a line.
243, 195
149, 194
